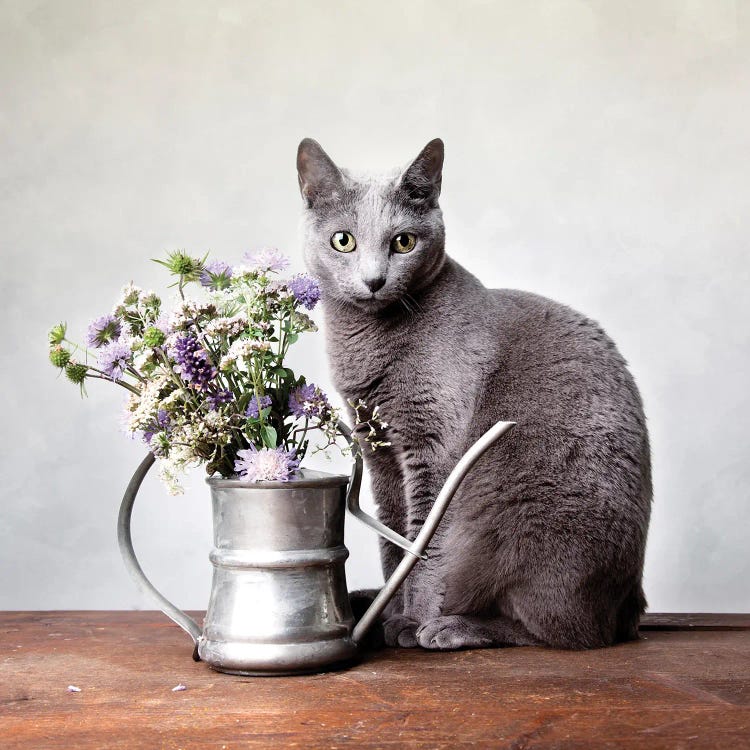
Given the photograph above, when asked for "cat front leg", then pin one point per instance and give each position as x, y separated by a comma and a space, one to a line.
388, 489
405, 484
423, 590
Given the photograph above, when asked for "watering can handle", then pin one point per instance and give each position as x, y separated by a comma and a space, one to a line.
125, 540
416, 549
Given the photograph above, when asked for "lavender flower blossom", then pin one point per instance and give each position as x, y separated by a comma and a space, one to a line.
266, 464
216, 275
192, 362
266, 259
114, 359
215, 400
256, 405
162, 323
160, 424
308, 401
305, 289
102, 331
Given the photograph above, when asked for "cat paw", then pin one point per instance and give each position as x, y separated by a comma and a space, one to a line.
400, 630
450, 632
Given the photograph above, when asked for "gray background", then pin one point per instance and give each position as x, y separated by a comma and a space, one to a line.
597, 152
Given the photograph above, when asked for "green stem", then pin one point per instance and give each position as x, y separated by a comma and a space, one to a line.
137, 375
122, 383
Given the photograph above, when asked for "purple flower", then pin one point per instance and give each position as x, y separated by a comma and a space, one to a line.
255, 406
266, 464
216, 275
215, 400
161, 423
114, 358
266, 259
192, 362
102, 331
162, 323
305, 289
308, 401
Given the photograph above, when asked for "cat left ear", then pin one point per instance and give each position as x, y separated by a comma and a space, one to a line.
318, 176
423, 178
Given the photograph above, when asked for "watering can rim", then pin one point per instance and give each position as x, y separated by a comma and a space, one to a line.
301, 479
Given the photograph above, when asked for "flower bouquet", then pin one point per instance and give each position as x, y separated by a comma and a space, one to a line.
207, 382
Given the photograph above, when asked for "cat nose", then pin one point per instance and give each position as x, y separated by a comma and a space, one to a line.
374, 284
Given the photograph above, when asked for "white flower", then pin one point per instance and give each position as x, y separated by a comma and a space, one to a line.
227, 326
266, 465
243, 349
179, 460
169, 475
143, 408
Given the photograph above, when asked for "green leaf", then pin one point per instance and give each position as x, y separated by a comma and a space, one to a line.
268, 435
243, 401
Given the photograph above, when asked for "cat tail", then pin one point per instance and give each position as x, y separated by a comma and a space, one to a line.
629, 614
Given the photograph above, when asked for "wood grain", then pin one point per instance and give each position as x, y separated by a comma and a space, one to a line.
686, 686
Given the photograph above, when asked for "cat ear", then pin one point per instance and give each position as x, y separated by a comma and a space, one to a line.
422, 179
318, 176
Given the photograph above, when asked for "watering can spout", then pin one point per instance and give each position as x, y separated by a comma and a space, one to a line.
415, 549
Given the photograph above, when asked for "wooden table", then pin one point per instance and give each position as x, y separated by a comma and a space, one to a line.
685, 684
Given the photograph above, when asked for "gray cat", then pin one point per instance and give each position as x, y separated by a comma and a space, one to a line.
544, 542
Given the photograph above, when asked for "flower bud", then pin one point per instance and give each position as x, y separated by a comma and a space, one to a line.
183, 265
152, 337
59, 356
76, 373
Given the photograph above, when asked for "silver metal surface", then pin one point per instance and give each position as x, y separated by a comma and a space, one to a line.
279, 602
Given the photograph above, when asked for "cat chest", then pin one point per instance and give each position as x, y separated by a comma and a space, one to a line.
410, 380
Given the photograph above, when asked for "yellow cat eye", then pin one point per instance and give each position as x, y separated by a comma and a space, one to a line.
403, 243
344, 242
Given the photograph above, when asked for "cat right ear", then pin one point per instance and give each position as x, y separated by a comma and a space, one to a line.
423, 178
319, 178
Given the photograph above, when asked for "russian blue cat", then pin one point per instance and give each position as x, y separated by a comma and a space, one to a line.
544, 542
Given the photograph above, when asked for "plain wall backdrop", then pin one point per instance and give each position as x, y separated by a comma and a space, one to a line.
596, 153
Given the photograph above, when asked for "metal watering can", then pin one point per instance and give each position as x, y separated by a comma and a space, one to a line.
279, 602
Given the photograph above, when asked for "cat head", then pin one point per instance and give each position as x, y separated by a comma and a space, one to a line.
371, 240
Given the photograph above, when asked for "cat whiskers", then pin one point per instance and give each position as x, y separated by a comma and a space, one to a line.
417, 306
405, 305
410, 304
